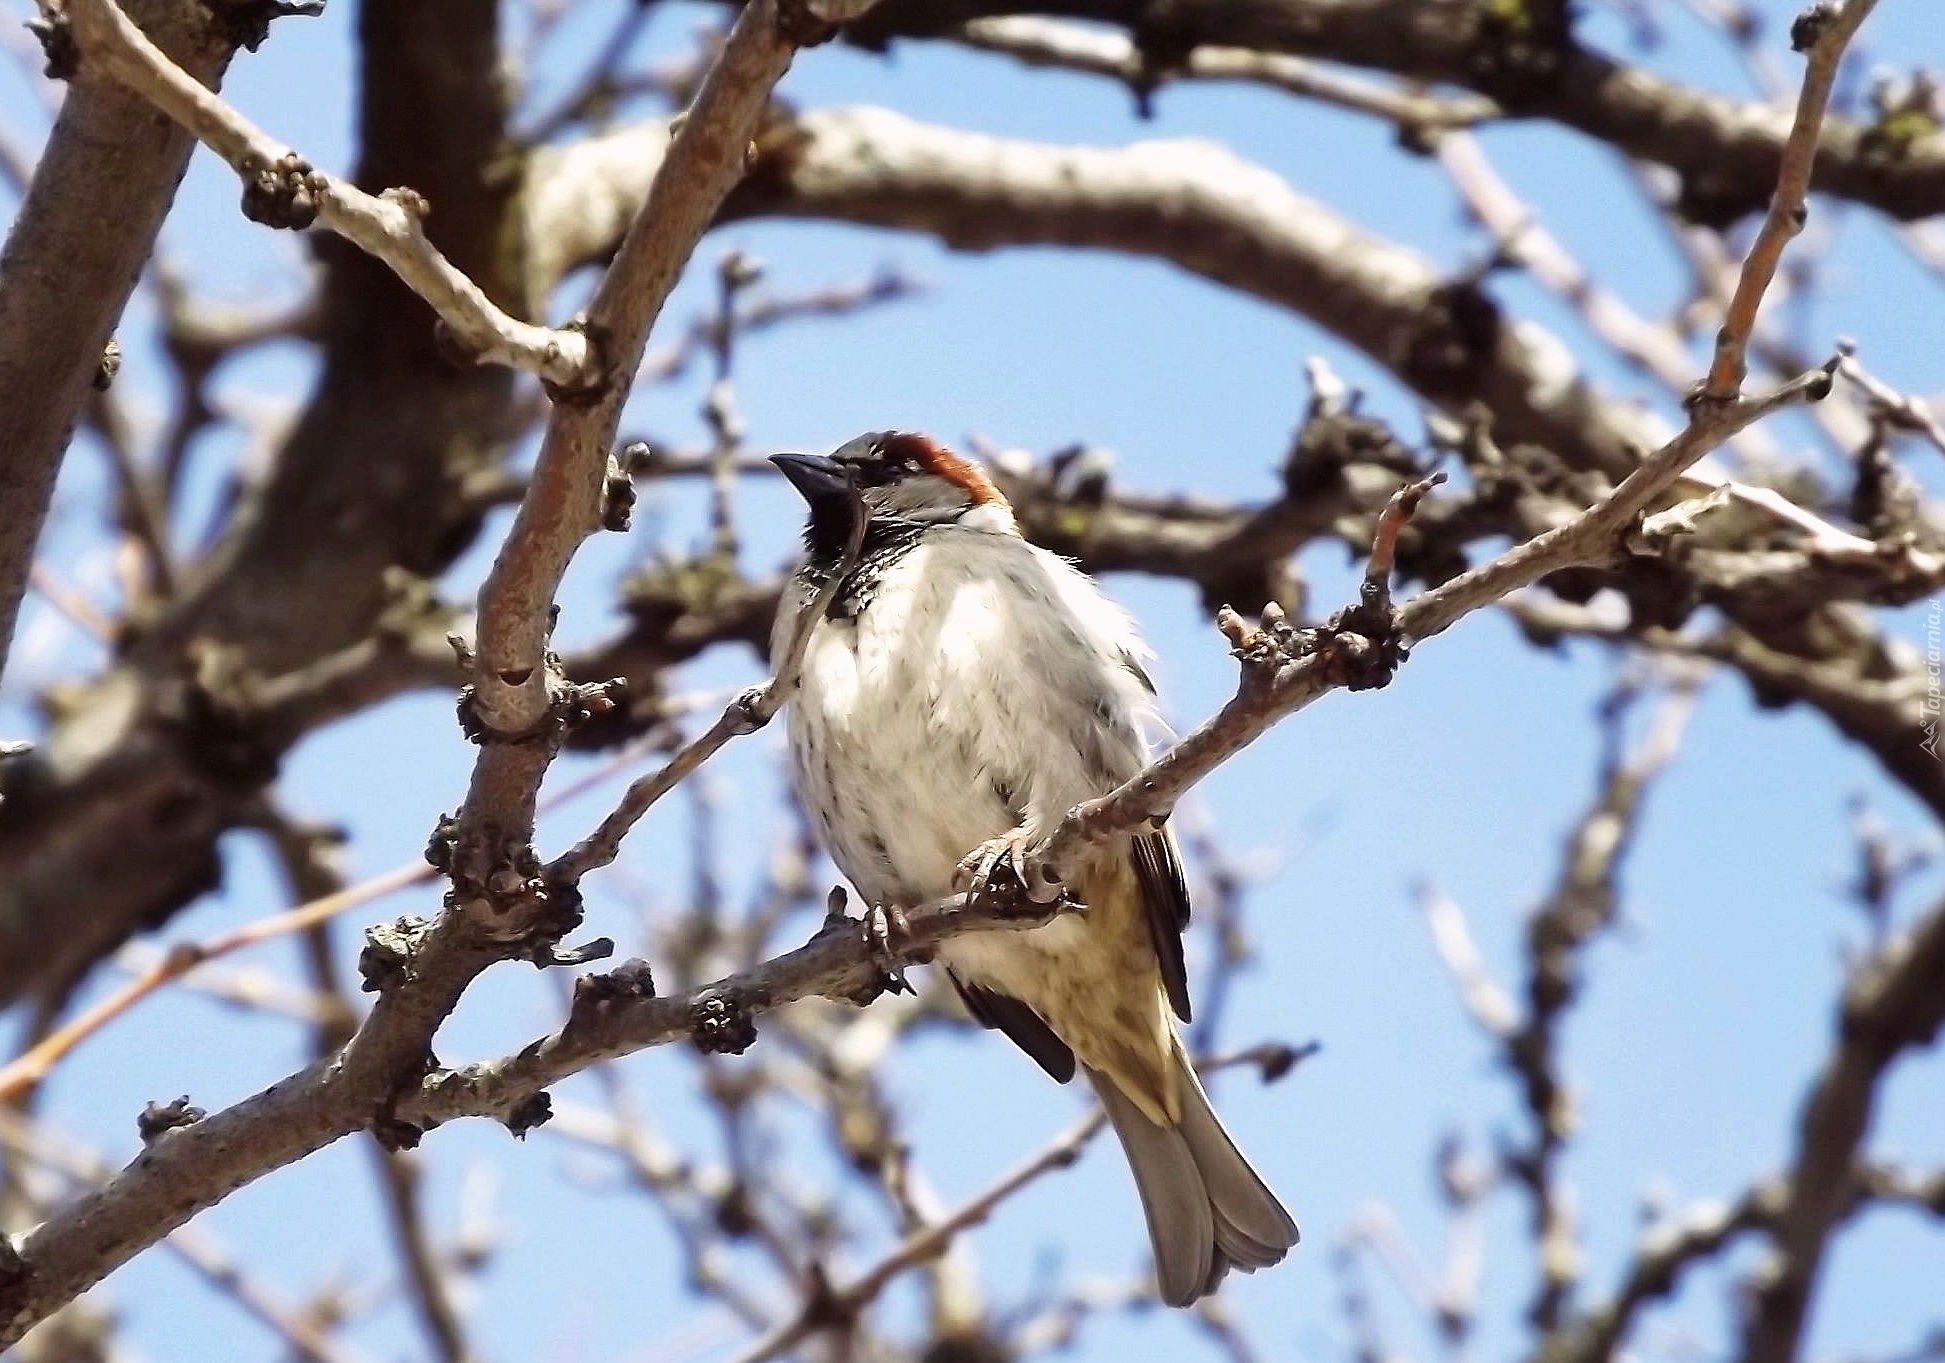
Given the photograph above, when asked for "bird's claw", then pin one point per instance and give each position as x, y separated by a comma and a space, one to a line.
977, 870
886, 931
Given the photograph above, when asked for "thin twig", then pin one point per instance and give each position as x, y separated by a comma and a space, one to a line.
32, 1066
1825, 30
921, 1246
1895, 1002
1663, 1254
746, 714
398, 1172
1584, 902
597, 85
836, 1306
1074, 47
1520, 236
304, 1338
290, 192
72, 605
1278, 681
1906, 411
1485, 998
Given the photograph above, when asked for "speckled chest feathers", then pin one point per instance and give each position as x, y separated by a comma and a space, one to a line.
952, 693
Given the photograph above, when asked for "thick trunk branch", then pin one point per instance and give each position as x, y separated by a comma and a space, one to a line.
77, 247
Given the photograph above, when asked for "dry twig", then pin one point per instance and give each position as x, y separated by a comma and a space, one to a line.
1823, 32
282, 189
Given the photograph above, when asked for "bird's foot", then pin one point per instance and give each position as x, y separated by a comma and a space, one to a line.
886, 932
985, 871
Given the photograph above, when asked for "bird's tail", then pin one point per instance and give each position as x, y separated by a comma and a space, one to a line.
1207, 1208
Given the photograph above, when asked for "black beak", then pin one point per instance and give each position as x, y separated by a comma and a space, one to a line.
821, 481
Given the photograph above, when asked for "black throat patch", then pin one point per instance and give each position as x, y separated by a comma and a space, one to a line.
885, 542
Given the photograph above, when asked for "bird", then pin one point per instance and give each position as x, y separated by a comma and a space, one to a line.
960, 690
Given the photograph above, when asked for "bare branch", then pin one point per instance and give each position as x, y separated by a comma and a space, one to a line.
222, 1272
1192, 203
1824, 31
30, 1068
1583, 904
1661, 1257
398, 1172
704, 160
1073, 47
838, 1306
184, 958
1488, 1002
1285, 673
746, 714
1906, 411
74, 251
1726, 151
282, 189
1895, 1002
1522, 238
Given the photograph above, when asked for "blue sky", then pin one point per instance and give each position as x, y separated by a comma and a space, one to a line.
1704, 1016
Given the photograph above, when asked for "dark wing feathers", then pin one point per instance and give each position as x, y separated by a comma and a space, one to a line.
1164, 893
1165, 896
1004, 1013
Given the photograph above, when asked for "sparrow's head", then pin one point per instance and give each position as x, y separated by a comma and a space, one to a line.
899, 477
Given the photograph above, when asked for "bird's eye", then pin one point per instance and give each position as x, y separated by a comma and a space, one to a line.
878, 472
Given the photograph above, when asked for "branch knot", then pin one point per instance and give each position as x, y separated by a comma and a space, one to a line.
285, 193
720, 1022
801, 23
386, 961
246, 23
159, 1119
55, 31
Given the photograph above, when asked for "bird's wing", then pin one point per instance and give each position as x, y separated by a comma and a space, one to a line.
1114, 716
1022, 1026
1165, 898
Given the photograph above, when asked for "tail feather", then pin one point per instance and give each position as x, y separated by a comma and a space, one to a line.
1206, 1207
1252, 1228
1181, 1223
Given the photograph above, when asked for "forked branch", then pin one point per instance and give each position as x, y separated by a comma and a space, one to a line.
281, 189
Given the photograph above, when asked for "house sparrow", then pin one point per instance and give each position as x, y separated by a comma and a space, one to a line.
962, 690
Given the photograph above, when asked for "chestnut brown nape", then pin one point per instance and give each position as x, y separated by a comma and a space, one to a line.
941, 462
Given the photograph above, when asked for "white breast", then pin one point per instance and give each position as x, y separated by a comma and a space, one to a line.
985, 683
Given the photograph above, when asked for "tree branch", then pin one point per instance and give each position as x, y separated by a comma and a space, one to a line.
1727, 152
1074, 47
283, 190
1662, 1256
73, 254
1895, 1003
1824, 32
1191, 203
1285, 670
514, 687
